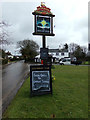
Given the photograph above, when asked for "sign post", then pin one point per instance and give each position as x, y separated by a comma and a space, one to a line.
40, 76
44, 41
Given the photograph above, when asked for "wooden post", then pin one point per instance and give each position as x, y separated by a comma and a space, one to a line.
44, 45
44, 41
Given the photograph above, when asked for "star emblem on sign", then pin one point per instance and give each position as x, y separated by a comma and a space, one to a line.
43, 22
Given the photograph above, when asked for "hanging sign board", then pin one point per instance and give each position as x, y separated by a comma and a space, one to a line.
43, 21
43, 24
40, 80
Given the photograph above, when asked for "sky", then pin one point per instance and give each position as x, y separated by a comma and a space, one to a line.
70, 21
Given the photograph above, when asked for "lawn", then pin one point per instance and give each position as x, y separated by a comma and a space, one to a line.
69, 99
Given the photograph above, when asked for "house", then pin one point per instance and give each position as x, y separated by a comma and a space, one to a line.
9, 55
58, 54
37, 59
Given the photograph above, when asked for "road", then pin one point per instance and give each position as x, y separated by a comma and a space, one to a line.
13, 76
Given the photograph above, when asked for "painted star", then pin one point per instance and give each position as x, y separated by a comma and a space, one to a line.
43, 22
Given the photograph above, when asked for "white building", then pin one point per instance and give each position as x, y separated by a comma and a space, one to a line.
37, 58
56, 55
88, 53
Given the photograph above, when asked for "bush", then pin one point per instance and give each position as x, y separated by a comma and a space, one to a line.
4, 61
86, 62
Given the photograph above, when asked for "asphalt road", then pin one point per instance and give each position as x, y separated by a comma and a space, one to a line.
13, 76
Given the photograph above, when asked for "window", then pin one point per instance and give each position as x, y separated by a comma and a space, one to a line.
64, 60
57, 53
68, 59
62, 54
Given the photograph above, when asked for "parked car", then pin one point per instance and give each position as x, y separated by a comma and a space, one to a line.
65, 61
68, 61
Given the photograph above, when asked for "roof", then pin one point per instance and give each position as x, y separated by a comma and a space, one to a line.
58, 50
8, 53
38, 56
43, 10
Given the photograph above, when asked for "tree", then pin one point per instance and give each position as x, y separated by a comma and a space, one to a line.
28, 49
66, 46
3, 33
77, 51
72, 47
63, 47
79, 54
3, 54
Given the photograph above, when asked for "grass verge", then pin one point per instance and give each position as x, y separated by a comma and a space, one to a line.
69, 99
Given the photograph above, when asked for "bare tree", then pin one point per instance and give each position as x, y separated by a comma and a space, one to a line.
4, 35
72, 47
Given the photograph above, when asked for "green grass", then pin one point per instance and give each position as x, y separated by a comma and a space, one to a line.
69, 99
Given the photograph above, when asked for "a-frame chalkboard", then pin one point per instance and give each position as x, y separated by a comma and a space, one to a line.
40, 80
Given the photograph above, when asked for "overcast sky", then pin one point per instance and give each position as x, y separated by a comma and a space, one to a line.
71, 21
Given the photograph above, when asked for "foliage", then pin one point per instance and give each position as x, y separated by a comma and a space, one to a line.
63, 47
28, 48
78, 51
86, 63
4, 61
66, 46
3, 54
69, 98
53, 78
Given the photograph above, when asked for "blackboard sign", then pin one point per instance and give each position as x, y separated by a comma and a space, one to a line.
44, 53
40, 80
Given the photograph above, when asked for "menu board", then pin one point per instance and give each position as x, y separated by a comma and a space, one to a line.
40, 79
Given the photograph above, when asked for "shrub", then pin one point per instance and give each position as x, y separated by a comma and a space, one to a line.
4, 61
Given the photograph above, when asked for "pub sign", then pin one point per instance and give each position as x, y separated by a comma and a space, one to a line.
43, 24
